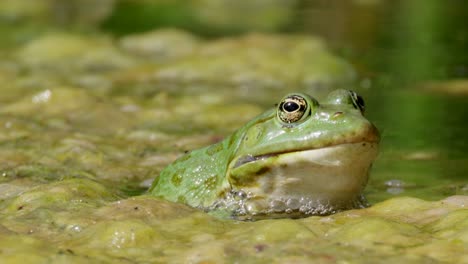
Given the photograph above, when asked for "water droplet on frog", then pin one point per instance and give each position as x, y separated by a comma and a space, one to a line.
293, 204
278, 206
240, 195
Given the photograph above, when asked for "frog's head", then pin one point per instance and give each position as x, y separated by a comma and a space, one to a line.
304, 157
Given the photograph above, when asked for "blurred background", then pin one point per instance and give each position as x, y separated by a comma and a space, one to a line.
221, 59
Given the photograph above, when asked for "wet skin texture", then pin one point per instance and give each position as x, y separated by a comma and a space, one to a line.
300, 158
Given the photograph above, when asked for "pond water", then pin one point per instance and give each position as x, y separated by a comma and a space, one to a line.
95, 104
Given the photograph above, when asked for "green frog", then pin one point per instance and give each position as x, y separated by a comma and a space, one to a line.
297, 159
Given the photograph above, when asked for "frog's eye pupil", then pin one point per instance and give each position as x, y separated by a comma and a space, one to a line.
360, 103
290, 106
292, 109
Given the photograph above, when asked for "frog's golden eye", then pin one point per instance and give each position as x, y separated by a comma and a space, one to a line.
358, 101
292, 109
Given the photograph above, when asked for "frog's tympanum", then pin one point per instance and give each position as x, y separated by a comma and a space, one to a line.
300, 158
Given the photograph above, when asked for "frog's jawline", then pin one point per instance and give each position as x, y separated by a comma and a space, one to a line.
251, 158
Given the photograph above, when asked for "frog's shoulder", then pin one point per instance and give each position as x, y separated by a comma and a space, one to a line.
197, 177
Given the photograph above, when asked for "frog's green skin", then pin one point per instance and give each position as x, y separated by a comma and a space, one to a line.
299, 158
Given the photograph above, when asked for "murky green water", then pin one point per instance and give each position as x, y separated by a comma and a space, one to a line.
91, 110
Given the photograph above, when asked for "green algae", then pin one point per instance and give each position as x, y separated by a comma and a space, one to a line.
81, 219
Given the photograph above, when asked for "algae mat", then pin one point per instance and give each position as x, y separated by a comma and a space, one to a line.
70, 222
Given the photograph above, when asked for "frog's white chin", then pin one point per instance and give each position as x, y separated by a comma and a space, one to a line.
318, 181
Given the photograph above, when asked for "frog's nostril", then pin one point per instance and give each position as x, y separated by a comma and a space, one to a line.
337, 114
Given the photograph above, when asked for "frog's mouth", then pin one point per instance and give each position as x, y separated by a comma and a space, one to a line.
300, 183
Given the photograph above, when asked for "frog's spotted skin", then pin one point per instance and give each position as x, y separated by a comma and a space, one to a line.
300, 158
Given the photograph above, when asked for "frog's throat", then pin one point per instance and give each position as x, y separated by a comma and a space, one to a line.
310, 182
